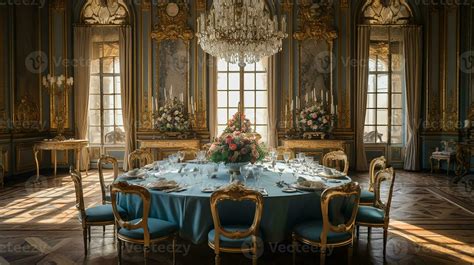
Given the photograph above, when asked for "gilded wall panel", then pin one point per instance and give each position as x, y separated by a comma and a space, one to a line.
4, 67
30, 63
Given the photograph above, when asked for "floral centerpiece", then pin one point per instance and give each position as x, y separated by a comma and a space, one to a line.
238, 123
315, 118
171, 117
235, 148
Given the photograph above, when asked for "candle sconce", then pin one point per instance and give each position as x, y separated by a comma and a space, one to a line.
58, 87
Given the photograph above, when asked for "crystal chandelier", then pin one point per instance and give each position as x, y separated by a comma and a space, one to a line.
240, 31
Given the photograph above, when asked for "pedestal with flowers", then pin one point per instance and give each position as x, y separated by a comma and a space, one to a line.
58, 86
315, 121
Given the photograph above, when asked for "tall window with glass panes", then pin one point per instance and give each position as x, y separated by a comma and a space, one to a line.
254, 95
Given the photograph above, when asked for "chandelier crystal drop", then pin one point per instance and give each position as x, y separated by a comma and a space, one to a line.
240, 31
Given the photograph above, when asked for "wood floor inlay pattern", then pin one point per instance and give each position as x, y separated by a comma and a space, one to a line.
432, 222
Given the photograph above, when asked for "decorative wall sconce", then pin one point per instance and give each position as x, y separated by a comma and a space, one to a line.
58, 88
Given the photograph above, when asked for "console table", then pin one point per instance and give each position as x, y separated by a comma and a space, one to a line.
309, 146
165, 147
54, 146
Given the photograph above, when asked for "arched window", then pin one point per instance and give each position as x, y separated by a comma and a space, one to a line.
388, 23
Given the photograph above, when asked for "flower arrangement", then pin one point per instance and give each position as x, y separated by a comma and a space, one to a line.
171, 117
236, 148
315, 118
238, 123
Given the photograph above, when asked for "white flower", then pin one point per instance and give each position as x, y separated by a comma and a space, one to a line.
169, 118
176, 112
45, 81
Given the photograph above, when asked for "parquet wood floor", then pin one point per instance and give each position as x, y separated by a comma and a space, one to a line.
432, 222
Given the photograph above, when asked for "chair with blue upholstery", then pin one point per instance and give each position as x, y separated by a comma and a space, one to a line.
324, 234
145, 230
103, 160
101, 215
235, 238
367, 197
378, 215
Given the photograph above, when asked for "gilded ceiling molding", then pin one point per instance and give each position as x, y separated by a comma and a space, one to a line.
106, 12
315, 21
172, 23
386, 12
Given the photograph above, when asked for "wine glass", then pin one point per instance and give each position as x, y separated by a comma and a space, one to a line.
244, 172
281, 168
286, 157
257, 171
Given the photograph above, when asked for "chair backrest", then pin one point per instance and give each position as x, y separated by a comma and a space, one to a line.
378, 163
103, 160
236, 192
333, 159
387, 174
345, 191
143, 156
77, 179
144, 194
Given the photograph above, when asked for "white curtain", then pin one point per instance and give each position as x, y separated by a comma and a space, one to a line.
363, 43
82, 54
213, 98
272, 102
412, 50
126, 61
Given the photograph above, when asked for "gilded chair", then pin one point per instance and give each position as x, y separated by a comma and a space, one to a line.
378, 215
103, 160
324, 234
142, 156
145, 230
333, 160
101, 215
235, 238
367, 197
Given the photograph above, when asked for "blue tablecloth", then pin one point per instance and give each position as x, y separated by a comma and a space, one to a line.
191, 211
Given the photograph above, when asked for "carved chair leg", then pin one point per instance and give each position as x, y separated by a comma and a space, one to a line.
119, 250
174, 249
350, 252
89, 232
145, 254
385, 234
322, 256
295, 245
369, 230
84, 233
217, 259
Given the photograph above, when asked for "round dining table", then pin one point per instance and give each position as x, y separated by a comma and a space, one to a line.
190, 208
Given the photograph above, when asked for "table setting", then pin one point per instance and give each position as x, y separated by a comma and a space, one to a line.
180, 192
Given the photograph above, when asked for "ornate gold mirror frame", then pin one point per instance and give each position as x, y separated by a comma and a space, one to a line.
172, 27
315, 29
